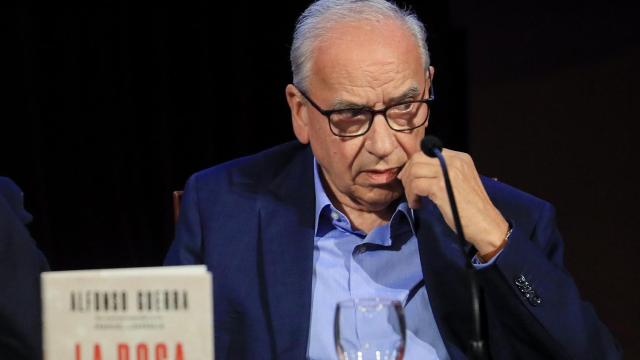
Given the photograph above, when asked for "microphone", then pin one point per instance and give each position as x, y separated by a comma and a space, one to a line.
432, 147
430, 144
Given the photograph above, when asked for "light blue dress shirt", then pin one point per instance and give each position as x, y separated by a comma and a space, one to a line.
385, 263
349, 264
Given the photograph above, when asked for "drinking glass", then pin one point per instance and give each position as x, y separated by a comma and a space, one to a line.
369, 329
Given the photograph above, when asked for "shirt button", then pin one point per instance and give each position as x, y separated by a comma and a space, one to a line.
360, 249
335, 215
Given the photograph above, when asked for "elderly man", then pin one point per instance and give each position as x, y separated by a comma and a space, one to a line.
356, 210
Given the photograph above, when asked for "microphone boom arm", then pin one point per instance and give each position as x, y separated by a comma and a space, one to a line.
432, 147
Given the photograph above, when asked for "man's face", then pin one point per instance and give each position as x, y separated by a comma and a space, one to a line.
374, 65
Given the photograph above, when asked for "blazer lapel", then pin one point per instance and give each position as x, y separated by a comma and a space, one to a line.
443, 267
286, 242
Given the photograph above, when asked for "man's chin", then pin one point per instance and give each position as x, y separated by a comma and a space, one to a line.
380, 199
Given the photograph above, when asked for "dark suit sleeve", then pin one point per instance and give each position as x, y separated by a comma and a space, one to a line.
20, 266
530, 294
187, 245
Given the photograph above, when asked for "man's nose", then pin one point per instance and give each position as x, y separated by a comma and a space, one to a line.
381, 140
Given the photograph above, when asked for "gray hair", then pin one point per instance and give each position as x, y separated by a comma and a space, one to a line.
319, 17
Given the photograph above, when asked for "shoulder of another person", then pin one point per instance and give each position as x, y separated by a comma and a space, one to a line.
11, 193
8, 188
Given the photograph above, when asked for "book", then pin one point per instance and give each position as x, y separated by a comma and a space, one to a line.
157, 313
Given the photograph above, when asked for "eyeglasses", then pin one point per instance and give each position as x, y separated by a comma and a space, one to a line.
352, 122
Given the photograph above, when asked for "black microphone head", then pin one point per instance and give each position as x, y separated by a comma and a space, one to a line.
429, 144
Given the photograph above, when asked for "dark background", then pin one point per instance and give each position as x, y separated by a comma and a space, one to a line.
109, 108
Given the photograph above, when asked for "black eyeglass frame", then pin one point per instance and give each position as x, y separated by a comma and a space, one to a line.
327, 113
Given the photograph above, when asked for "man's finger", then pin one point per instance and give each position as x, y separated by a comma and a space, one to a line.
433, 188
425, 171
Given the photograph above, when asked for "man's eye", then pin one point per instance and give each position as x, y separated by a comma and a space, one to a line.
402, 107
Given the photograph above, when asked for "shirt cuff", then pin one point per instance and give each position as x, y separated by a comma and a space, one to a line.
478, 264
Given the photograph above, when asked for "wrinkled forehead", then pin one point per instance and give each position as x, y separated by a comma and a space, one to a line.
366, 56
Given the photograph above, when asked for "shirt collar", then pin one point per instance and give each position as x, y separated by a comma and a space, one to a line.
323, 203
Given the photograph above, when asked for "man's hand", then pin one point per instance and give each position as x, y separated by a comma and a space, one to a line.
483, 225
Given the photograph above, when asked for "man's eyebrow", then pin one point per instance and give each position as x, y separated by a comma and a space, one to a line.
410, 94
341, 104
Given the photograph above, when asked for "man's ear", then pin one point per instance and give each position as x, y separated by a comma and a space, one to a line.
430, 73
298, 114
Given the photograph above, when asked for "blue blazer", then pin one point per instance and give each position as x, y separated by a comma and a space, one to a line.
20, 265
251, 222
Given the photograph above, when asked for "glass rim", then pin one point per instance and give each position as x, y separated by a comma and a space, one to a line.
370, 301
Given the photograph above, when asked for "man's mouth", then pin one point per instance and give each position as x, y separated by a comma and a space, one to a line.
381, 176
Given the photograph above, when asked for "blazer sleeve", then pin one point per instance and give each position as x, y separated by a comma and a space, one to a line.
529, 292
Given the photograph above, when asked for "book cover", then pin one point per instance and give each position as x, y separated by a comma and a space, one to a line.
160, 313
